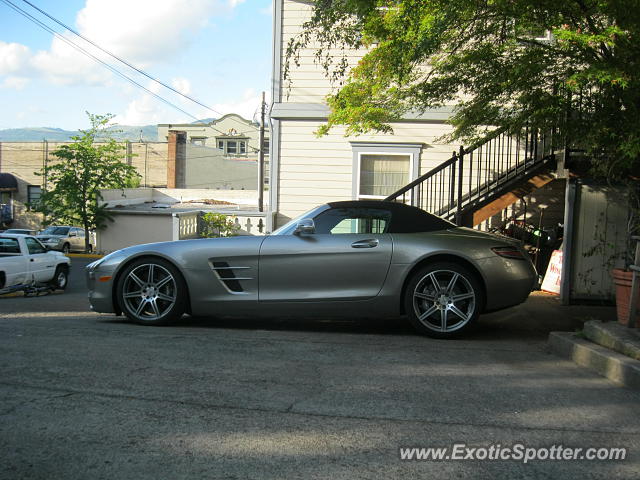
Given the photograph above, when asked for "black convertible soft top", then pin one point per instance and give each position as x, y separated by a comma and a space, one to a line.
404, 218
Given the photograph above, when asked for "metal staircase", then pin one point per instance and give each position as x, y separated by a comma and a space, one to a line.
479, 181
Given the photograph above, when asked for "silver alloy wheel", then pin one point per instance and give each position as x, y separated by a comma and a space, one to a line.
444, 301
61, 279
149, 291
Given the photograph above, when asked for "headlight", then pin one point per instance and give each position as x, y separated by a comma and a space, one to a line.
93, 265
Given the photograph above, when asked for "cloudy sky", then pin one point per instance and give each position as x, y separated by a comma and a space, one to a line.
217, 51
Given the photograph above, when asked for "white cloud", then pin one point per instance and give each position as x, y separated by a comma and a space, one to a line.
62, 64
142, 32
144, 110
145, 31
182, 85
16, 83
147, 110
247, 106
14, 58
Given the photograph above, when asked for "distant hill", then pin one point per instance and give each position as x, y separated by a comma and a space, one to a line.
121, 132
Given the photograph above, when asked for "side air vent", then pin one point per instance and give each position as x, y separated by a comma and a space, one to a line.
227, 275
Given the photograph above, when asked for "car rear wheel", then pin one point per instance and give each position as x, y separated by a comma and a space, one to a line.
443, 300
60, 278
151, 291
66, 248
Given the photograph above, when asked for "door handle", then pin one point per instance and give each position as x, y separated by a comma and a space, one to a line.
370, 243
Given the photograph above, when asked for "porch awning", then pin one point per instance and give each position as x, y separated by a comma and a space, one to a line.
8, 183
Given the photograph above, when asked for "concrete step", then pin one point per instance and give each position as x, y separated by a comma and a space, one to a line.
616, 367
614, 336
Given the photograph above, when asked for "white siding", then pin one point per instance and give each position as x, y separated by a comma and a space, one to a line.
317, 170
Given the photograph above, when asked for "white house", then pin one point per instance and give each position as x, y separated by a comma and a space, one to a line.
306, 170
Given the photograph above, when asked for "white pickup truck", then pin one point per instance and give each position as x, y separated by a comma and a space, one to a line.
27, 265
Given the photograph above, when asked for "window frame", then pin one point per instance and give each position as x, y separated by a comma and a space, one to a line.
35, 242
412, 150
30, 199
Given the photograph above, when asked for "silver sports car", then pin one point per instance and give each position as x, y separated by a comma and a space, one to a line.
355, 258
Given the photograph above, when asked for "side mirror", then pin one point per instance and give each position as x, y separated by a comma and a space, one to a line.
306, 226
72, 234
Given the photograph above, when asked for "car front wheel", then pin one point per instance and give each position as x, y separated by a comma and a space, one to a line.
151, 292
60, 278
443, 300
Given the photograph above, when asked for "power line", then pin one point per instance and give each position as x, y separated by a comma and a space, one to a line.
83, 51
123, 61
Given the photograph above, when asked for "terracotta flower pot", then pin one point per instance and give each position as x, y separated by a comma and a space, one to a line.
622, 280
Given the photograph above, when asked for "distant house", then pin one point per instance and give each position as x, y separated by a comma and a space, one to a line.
233, 135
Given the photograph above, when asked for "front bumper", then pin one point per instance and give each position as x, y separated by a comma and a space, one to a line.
100, 291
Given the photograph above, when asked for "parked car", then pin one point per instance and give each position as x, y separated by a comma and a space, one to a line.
27, 263
21, 231
65, 239
358, 258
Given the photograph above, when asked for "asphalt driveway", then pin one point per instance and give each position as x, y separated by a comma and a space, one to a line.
90, 396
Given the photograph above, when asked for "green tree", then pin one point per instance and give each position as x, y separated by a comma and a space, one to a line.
489, 58
80, 171
215, 225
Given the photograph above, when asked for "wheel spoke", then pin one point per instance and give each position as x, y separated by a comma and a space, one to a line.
133, 294
443, 319
164, 281
136, 279
434, 280
425, 296
140, 308
462, 296
154, 307
452, 283
166, 298
427, 313
459, 313
150, 277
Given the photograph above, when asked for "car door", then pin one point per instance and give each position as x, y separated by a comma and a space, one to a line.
79, 240
74, 239
346, 259
13, 263
41, 264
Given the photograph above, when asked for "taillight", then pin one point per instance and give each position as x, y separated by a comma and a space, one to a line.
509, 252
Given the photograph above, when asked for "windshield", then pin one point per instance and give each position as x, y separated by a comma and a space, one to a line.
290, 226
56, 231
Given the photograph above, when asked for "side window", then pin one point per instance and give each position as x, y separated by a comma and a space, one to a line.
9, 246
353, 220
80, 232
34, 246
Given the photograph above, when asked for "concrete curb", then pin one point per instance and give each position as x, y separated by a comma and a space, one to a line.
614, 336
616, 367
84, 255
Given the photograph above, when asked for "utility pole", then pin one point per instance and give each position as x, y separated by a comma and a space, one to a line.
261, 158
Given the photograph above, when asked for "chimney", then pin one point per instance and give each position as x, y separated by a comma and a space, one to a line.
176, 159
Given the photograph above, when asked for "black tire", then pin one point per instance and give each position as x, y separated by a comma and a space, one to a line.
60, 278
66, 248
443, 300
151, 291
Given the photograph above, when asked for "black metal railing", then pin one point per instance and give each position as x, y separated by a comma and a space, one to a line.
474, 175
